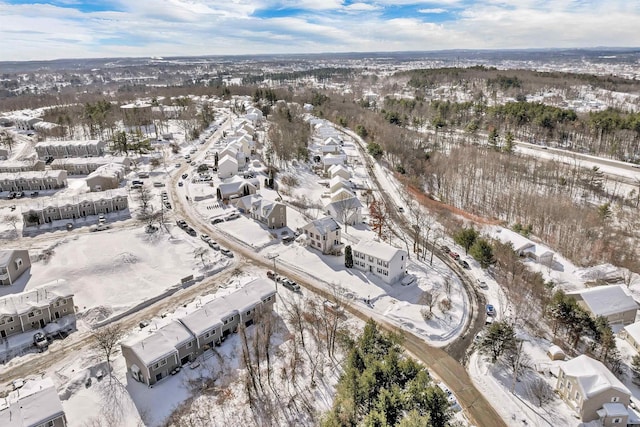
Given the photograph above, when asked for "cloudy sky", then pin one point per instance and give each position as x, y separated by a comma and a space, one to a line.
41, 29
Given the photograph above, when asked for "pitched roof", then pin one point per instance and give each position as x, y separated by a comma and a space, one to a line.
151, 348
37, 402
325, 225
633, 330
15, 176
7, 254
214, 312
42, 296
382, 251
592, 376
341, 204
607, 300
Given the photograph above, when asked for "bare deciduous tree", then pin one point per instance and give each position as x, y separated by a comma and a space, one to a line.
105, 343
540, 391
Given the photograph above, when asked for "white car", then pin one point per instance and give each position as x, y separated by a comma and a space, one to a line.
205, 237
232, 215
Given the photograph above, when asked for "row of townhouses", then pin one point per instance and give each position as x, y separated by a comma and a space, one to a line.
13, 263
16, 166
153, 355
87, 165
36, 308
51, 209
33, 180
62, 149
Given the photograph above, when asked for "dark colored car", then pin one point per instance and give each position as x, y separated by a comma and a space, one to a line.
464, 264
191, 232
185, 175
445, 249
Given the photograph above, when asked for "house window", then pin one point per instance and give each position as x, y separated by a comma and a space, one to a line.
617, 420
615, 399
189, 344
568, 386
18, 263
31, 314
268, 298
64, 310
577, 396
206, 335
249, 313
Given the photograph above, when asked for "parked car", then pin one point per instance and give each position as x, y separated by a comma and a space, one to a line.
181, 223
167, 205
101, 218
99, 227
205, 237
180, 184
158, 184
445, 249
232, 215
191, 232
215, 221
400, 209
491, 311
464, 264
19, 194
454, 255
185, 175
332, 307
291, 285
11, 195
214, 245
34, 193
40, 341
482, 284
144, 323
271, 275
226, 252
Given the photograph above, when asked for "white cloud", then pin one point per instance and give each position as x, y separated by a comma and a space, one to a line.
432, 11
199, 27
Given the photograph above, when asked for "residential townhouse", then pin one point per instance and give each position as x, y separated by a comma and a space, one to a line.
87, 165
19, 166
51, 209
270, 213
155, 354
106, 177
36, 308
13, 263
62, 149
609, 301
592, 391
227, 166
339, 170
631, 334
347, 210
324, 235
33, 180
36, 404
380, 259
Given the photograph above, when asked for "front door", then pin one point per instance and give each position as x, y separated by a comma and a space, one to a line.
158, 377
42, 323
3, 334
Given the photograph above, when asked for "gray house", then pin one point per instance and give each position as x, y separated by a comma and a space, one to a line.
324, 235
593, 392
33, 180
12, 264
156, 354
270, 213
36, 404
37, 308
21, 166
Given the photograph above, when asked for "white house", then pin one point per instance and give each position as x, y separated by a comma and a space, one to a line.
536, 252
333, 159
611, 302
227, 166
347, 210
337, 182
380, 259
631, 333
324, 235
339, 170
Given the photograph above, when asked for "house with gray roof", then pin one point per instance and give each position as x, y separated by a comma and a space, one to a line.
610, 302
36, 404
33, 180
74, 148
36, 308
592, 391
13, 263
324, 235
268, 212
155, 353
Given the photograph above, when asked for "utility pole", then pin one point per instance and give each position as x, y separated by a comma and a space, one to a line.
275, 272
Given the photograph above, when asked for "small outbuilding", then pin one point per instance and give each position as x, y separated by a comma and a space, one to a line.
556, 353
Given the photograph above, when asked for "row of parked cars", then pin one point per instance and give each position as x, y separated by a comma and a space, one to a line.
186, 227
20, 194
455, 256
215, 246
285, 282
